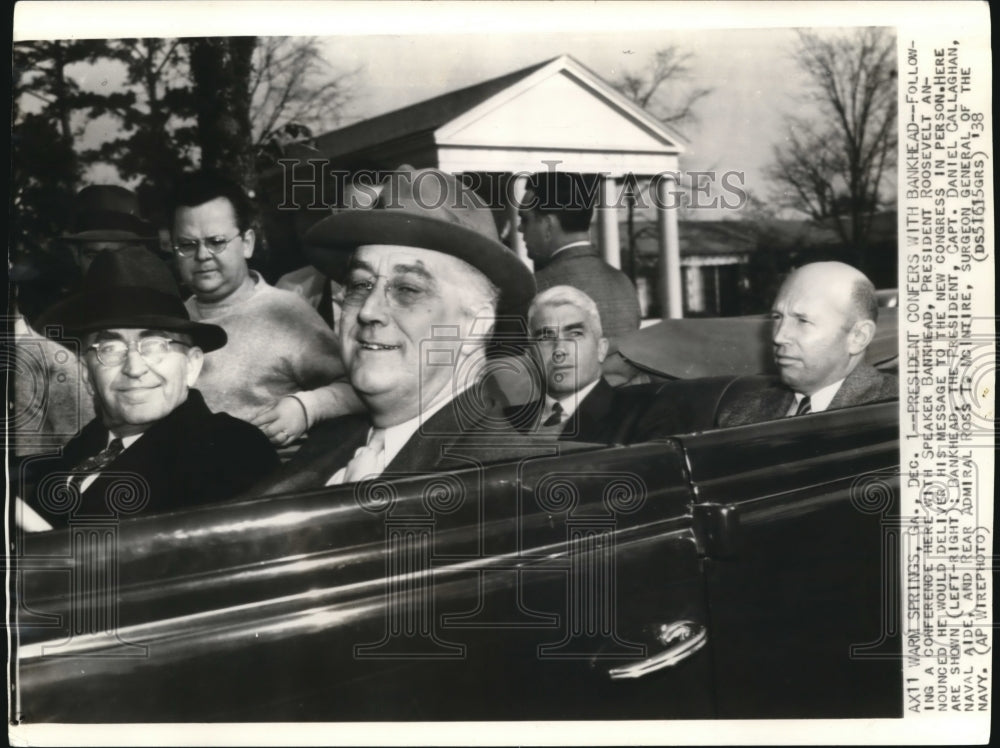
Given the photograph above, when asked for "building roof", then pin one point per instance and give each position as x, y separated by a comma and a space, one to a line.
424, 116
729, 237
511, 123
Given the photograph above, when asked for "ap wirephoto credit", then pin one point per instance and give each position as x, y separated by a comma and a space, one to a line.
500, 373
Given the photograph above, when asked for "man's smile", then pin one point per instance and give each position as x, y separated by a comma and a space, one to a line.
366, 346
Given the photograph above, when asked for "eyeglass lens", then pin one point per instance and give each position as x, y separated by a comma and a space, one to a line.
114, 352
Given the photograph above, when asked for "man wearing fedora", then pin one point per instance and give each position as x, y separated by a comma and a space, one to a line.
141, 356
49, 404
281, 368
426, 276
106, 217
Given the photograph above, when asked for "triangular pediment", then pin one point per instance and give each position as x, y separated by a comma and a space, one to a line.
562, 105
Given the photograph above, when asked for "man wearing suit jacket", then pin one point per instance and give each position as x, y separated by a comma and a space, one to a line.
579, 404
555, 222
155, 446
425, 280
824, 318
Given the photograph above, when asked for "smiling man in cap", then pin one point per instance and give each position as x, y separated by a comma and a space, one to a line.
141, 356
425, 277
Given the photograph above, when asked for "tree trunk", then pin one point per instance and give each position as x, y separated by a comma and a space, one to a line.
220, 69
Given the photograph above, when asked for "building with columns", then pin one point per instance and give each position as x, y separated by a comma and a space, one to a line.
554, 115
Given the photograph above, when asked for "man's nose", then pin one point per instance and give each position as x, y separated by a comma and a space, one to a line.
375, 307
560, 351
779, 331
135, 365
202, 254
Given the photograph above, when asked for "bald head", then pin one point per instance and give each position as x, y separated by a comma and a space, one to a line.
824, 319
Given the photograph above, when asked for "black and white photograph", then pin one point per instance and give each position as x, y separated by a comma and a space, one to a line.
500, 373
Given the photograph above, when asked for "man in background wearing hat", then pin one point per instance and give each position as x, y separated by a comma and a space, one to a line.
49, 404
279, 369
142, 355
578, 403
426, 278
823, 320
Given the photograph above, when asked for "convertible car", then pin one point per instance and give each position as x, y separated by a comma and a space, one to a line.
745, 572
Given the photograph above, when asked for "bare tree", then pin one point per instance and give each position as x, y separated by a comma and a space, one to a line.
220, 71
833, 161
294, 92
663, 89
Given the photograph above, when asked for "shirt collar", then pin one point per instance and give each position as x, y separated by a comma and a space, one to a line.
397, 436
127, 441
581, 243
819, 400
571, 402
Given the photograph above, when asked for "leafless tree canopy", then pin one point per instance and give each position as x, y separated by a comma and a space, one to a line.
662, 89
833, 161
294, 91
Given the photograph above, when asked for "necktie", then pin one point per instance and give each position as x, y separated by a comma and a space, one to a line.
805, 406
556, 417
368, 460
97, 463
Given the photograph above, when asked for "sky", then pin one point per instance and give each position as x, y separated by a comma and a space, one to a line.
751, 73
407, 52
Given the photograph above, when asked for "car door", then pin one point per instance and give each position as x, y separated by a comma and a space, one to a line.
566, 586
800, 522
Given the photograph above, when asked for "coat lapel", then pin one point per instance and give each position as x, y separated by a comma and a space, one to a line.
592, 417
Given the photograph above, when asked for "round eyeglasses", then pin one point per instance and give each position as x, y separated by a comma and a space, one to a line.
214, 244
114, 352
400, 294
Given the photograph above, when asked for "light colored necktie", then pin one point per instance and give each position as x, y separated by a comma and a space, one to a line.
556, 417
805, 406
368, 461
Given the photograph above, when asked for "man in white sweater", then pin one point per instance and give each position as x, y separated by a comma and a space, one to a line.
279, 370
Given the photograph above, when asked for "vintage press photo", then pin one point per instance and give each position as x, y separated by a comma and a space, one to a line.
714, 571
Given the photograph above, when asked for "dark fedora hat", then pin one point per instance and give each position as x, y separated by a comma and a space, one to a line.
426, 209
130, 288
107, 212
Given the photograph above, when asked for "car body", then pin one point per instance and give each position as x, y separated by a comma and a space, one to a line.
742, 572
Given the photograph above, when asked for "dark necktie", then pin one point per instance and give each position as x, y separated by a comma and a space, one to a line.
97, 463
556, 417
805, 406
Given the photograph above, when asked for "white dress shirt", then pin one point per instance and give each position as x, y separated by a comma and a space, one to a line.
395, 438
581, 243
569, 403
818, 401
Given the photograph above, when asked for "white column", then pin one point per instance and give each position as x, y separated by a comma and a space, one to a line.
669, 287
516, 191
607, 222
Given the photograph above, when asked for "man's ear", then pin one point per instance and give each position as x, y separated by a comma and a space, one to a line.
85, 373
549, 225
602, 349
860, 336
195, 360
249, 237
